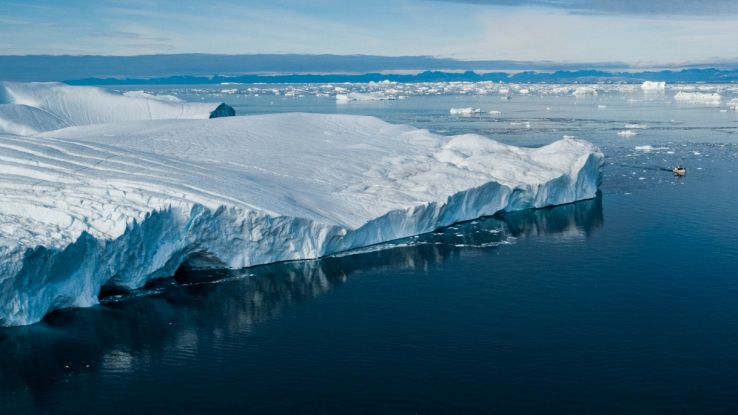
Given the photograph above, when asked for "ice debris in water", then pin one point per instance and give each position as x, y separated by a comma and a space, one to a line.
698, 98
30, 108
465, 111
627, 133
653, 86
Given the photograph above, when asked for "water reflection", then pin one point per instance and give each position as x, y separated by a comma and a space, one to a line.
199, 310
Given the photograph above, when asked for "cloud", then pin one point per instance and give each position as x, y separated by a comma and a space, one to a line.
624, 7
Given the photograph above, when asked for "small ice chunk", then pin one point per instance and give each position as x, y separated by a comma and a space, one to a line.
465, 111
653, 86
630, 126
698, 98
582, 91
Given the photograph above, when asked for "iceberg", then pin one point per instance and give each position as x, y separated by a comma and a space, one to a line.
113, 206
30, 108
698, 98
627, 133
733, 104
465, 111
583, 91
653, 86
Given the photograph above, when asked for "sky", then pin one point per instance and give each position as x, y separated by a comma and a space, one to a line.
643, 32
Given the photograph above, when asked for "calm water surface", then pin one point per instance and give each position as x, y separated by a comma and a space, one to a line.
624, 304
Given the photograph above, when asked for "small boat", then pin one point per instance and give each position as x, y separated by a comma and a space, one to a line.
679, 171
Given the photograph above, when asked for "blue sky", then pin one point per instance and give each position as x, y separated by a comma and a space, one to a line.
643, 32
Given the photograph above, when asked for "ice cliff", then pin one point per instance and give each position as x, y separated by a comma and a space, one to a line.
117, 205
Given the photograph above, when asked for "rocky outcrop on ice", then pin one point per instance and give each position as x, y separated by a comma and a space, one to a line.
117, 205
30, 108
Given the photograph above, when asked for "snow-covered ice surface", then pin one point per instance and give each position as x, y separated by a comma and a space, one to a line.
117, 205
30, 108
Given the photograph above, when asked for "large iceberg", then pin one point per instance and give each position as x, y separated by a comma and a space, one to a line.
30, 108
116, 205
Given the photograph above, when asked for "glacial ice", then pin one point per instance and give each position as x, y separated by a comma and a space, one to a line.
30, 108
653, 86
582, 91
465, 111
698, 98
627, 133
119, 204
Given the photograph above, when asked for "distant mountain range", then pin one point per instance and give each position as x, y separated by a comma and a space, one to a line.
582, 76
214, 69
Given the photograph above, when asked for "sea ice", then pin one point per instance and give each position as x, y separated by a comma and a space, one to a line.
582, 91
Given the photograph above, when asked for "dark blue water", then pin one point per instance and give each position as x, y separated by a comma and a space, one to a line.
624, 304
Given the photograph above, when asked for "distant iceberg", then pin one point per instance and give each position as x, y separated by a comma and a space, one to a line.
582, 91
117, 205
698, 97
30, 108
465, 111
653, 86
358, 96
733, 104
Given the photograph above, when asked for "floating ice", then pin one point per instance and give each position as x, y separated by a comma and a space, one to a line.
584, 91
465, 111
698, 97
29, 108
653, 86
117, 205
733, 104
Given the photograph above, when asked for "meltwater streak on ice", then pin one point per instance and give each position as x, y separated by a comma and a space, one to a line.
117, 205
